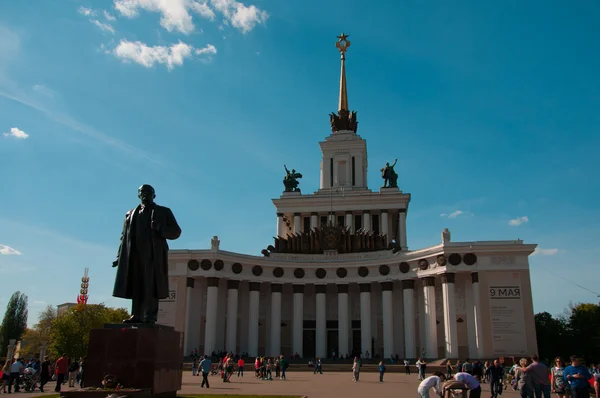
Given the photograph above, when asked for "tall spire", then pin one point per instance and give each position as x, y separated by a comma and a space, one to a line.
342, 45
344, 120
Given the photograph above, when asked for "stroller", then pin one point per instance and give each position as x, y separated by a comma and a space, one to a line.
28, 380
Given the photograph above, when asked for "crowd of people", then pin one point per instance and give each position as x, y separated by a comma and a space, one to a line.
530, 377
29, 375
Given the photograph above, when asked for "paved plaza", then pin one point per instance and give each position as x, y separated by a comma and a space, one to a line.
327, 385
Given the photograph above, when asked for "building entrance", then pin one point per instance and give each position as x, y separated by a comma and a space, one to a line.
356, 343
308, 343
332, 343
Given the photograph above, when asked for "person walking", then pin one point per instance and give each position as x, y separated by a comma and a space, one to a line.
205, 366
62, 369
284, 365
381, 371
577, 375
356, 370
495, 375
406, 367
557, 378
240, 364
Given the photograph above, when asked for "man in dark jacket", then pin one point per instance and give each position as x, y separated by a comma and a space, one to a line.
142, 264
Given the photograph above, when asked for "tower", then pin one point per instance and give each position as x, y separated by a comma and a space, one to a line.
344, 153
82, 298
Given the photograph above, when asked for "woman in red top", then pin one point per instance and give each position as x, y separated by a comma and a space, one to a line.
240, 367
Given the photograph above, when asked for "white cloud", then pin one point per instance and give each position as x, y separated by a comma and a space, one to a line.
103, 26
203, 9
108, 16
175, 14
9, 251
16, 133
39, 302
147, 56
43, 90
88, 12
518, 221
544, 252
240, 16
208, 49
455, 213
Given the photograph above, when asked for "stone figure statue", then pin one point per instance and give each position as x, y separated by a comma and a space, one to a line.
214, 243
142, 265
445, 236
390, 178
290, 181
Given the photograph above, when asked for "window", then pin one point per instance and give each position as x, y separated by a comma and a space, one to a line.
306, 224
375, 223
353, 171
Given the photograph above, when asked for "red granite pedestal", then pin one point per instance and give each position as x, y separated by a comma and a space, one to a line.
146, 357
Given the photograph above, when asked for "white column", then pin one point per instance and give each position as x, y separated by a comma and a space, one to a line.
314, 223
388, 318
298, 321
350, 221
402, 230
192, 316
385, 224
253, 310
297, 223
343, 321
430, 321
275, 320
477, 314
210, 332
408, 296
449, 311
321, 322
280, 225
367, 222
365, 318
232, 314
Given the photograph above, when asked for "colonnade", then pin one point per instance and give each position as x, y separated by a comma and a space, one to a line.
273, 346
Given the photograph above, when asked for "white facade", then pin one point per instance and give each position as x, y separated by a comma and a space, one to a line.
452, 300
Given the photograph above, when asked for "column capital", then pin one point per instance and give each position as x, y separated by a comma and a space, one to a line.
366, 211
402, 211
475, 277
189, 282
428, 281
298, 288
276, 287
314, 213
321, 289
254, 286
279, 214
387, 286
233, 284
212, 282
408, 284
349, 212
384, 211
297, 214
448, 277
365, 287
342, 289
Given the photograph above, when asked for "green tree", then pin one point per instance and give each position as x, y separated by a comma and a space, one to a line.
552, 336
70, 332
15, 319
584, 325
33, 339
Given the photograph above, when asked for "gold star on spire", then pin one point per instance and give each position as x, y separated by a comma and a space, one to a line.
342, 45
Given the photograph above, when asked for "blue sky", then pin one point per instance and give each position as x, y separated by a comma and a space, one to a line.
490, 107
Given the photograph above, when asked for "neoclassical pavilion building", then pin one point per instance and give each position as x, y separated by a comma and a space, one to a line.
340, 277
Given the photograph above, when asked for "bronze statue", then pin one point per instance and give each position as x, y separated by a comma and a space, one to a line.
290, 181
390, 178
142, 265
